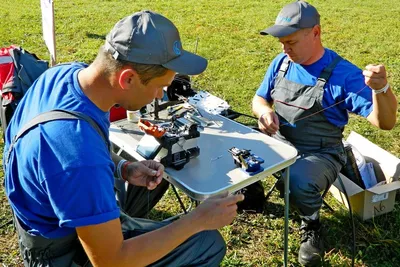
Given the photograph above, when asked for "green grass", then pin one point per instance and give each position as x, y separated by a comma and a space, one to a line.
226, 32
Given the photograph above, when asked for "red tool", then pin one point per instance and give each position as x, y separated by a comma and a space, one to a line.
151, 128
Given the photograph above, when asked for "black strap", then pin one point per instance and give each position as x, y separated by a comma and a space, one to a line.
327, 72
52, 115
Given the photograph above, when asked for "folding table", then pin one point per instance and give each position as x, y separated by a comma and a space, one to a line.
213, 172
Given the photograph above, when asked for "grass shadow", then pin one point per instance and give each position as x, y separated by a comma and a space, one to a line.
96, 36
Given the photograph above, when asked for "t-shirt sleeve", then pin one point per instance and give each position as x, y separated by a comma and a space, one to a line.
77, 174
267, 84
82, 196
358, 96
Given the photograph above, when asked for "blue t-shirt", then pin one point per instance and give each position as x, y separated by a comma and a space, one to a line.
60, 173
346, 83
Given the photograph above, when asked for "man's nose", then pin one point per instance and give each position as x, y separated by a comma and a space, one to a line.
285, 48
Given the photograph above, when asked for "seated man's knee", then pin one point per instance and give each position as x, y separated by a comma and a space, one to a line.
215, 246
218, 241
301, 189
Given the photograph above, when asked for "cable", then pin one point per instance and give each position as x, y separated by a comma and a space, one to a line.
241, 114
352, 221
319, 111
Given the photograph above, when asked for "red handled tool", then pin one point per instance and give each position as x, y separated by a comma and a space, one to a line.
151, 129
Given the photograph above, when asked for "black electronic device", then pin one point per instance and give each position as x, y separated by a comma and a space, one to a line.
180, 143
176, 146
180, 86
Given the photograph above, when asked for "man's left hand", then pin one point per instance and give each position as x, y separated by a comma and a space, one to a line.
147, 173
375, 76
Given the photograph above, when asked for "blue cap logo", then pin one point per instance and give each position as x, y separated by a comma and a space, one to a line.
176, 48
285, 19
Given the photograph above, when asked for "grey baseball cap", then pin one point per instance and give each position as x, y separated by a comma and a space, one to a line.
150, 38
293, 17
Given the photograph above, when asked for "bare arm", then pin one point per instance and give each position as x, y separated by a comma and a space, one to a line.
104, 244
384, 113
268, 121
261, 106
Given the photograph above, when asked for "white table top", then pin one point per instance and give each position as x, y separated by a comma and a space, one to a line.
213, 171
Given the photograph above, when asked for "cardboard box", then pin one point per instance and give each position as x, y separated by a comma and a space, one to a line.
379, 199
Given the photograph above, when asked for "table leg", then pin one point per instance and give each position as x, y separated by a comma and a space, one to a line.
179, 199
286, 181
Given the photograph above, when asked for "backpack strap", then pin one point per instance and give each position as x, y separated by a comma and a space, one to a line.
52, 115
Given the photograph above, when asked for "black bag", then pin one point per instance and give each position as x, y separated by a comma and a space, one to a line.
18, 70
254, 198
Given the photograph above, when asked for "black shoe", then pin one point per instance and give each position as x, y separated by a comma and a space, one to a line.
311, 251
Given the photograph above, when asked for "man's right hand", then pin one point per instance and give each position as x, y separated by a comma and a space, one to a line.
216, 212
109, 248
268, 122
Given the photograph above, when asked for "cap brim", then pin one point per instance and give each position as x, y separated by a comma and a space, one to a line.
279, 31
187, 63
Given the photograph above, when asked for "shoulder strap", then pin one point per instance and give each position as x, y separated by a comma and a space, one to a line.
284, 67
327, 72
52, 115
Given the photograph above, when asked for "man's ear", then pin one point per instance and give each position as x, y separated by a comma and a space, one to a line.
126, 77
317, 31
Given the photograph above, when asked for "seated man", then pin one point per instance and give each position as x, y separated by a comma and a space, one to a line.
59, 174
312, 89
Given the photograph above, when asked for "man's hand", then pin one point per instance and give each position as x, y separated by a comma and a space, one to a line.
268, 122
375, 76
147, 173
216, 212
384, 112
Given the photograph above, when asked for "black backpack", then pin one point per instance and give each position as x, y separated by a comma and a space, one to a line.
18, 70
254, 198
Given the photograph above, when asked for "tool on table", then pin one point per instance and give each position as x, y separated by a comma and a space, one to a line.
151, 129
246, 160
201, 121
173, 143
